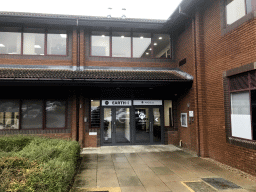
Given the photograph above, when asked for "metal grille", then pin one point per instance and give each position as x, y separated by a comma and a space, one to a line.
239, 82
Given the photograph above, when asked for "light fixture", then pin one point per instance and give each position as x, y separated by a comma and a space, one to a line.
122, 36
155, 44
37, 46
141, 37
147, 53
109, 12
63, 36
102, 35
150, 49
2, 45
160, 38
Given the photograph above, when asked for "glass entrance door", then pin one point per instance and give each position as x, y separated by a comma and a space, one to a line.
116, 126
148, 126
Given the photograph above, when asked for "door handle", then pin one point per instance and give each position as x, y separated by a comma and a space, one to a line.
112, 127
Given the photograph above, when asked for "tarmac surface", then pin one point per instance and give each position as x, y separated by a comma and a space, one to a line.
155, 168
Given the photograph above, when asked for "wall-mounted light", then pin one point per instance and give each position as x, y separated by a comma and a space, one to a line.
160, 38
122, 36
155, 44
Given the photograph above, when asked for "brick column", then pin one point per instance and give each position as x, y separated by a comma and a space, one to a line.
74, 118
199, 81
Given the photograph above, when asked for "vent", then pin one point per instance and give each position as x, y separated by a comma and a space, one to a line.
183, 62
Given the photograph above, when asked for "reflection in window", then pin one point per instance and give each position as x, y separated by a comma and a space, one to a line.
55, 114
32, 114
9, 115
95, 113
57, 44
142, 45
161, 46
33, 44
235, 10
121, 44
168, 118
240, 115
100, 44
10, 43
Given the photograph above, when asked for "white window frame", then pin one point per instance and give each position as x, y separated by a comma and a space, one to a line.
184, 124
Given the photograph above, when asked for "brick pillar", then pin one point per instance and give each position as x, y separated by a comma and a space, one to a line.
199, 81
81, 121
74, 48
74, 118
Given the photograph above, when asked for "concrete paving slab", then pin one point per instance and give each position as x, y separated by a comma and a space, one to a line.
162, 168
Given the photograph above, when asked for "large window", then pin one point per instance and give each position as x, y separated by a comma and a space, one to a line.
33, 114
30, 41
10, 42
242, 103
130, 45
236, 9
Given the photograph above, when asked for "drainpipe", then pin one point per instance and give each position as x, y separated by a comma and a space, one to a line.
196, 75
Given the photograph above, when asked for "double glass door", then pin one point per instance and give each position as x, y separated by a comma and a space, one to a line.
131, 125
116, 126
148, 126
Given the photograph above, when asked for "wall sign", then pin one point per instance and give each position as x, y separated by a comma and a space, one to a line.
116, 102
147, 102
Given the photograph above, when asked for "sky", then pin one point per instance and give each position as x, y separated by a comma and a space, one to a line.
161, 9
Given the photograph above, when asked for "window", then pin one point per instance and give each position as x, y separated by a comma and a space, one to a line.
9, 114
10, 42
55, 114
56, 42
243, 105
168, 116
33, 114
184, 120
236, 9
142, 45
30, 41
130, 45
161, 46
121, 44
95, 113
100, 45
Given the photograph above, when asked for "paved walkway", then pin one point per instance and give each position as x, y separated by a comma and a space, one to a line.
162, 168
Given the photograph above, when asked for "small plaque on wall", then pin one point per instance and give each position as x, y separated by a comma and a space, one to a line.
92, 133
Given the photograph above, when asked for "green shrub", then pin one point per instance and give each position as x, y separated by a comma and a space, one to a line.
54, 169
14, 143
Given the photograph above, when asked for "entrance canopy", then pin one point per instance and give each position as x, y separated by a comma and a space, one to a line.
98, 78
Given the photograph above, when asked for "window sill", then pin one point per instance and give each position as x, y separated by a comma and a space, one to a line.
250, 144
227, 29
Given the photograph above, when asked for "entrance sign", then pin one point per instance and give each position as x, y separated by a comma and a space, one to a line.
116, 102
147, 102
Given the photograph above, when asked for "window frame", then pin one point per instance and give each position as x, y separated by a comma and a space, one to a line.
225, 28
186, 122
110, 46
229, 99
22, 30
43, 114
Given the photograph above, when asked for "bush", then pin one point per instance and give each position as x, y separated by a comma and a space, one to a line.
45, 165
14, 143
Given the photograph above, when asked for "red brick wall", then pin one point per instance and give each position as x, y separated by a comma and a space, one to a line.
222, 53
215, 54
184, 48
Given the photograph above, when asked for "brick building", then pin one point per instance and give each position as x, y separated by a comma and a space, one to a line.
186, 81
